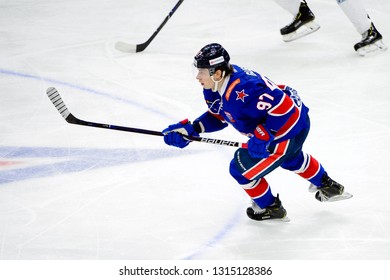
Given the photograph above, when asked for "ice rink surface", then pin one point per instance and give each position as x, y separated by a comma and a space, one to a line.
70, 192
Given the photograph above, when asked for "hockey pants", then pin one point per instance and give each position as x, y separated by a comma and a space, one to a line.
249, 172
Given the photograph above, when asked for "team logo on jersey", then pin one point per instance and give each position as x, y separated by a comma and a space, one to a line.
241, 95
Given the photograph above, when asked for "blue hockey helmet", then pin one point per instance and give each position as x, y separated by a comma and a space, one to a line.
212, 56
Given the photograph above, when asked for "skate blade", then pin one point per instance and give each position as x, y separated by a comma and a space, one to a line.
372, 49
343, 196
285, 220
302, 31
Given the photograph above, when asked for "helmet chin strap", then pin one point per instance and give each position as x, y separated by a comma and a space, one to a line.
217, 82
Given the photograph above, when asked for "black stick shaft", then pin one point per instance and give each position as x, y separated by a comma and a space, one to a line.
141, 47
57, 101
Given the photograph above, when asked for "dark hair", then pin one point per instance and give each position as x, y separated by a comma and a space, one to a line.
228, 68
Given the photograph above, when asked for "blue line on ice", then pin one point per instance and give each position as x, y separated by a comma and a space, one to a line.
83, 89
72, 160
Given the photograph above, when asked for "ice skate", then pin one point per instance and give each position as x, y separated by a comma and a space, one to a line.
303, 24
329, 190
371, 42
274, 212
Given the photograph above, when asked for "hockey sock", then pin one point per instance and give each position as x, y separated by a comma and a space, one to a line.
356, 13
311, 170
292, 6
260, 192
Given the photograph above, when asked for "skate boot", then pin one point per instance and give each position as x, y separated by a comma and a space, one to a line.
273, 212
329, 190
302, 25
371, 42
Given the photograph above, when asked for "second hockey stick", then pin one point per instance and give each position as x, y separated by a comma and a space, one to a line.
57, 101
125, 47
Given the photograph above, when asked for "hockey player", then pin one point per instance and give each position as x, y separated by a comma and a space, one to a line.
304, 24
273, 117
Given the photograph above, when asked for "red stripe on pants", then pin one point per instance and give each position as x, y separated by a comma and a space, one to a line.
264, 164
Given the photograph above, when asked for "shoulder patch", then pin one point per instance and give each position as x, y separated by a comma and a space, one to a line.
231, 87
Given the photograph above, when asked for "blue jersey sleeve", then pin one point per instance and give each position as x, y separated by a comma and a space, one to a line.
211, 120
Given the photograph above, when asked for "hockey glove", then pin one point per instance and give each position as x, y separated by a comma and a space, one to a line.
258, 144
173, 134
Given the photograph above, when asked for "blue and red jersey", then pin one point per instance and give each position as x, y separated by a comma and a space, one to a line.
248, 99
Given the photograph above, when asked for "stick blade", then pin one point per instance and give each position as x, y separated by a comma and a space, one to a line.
125, 47
57, 101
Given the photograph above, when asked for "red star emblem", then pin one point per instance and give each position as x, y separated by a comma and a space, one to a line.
241, 95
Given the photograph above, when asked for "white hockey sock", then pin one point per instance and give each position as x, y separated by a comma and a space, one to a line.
292, 6
356, 13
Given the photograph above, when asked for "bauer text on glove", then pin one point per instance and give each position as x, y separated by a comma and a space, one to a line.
258, 144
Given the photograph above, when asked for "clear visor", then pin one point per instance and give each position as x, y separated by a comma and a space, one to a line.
200, 72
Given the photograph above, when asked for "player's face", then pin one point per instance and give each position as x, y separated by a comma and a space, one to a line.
204, 78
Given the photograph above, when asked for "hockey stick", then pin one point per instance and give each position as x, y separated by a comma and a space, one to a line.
57, 101
125, 47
